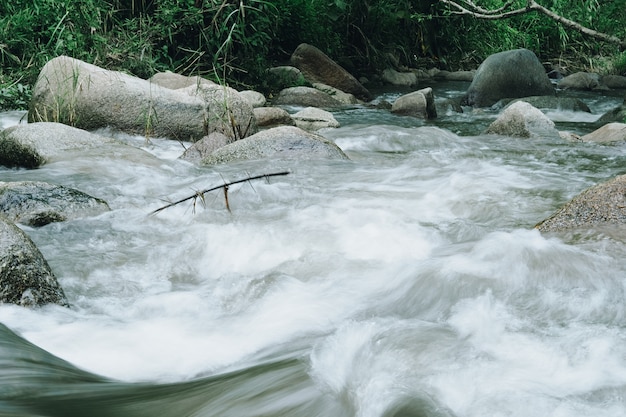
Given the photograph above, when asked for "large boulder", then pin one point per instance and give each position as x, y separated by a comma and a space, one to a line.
34, 144
306, 96
79, 94
614, 81
524, 121
610, 132
36, 203
317, 67
509, 74
283, 142
312, 119
603, 204
25, 277
420, 104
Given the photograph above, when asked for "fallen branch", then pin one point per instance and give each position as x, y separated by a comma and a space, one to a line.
225, 186
468, 7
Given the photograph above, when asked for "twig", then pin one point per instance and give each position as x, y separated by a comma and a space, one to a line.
200, 194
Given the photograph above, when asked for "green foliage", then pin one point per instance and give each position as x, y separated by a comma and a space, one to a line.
14, 96
236, 41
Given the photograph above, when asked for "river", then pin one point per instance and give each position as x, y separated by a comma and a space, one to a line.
408, 281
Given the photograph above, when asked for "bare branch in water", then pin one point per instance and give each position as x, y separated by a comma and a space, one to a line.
200, 194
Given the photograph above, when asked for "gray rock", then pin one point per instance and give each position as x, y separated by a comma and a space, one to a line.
617, 82
79, 94
284, 142
25, 277
312, 119
39, 203
286, 76
306, 96
205, 146
253, 98
402, 79
34, 144
582, 81
610, 132
420, 104
603, 204
524, 121
175, 81
341, 96
454, 75
618, 115
509, 74
317, 67
549, 102
272, 116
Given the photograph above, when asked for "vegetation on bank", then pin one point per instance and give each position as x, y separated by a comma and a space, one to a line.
235, 41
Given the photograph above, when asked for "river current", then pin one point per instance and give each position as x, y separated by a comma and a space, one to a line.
408, 281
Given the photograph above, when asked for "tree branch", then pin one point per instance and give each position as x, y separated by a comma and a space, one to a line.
200, 194
468, 7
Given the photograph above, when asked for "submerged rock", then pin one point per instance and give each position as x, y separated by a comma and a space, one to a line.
25, 277
599, 205
549, 102
284, 142
39, 203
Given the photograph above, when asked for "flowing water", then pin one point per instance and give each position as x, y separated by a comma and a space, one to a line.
408, 281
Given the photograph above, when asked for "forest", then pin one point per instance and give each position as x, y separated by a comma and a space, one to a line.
236, 41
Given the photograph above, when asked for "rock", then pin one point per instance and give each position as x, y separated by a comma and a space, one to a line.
317, 67
401, 79
618, 115
419, 104
39, 203
581, 81
272, 116
509, 74
340, 96
305, 96
25, 277
175, 81
549, 102
611, 132
524, 121
253, 98
79, 94
617, 82
602, 204
34, 144
286, 76
284, 142
203, 148
454, 75
312, 119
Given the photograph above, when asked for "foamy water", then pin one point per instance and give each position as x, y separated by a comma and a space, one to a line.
407, 280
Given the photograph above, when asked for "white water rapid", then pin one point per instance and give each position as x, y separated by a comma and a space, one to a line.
408, 281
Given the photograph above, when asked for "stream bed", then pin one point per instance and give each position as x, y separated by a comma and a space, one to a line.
408, 281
